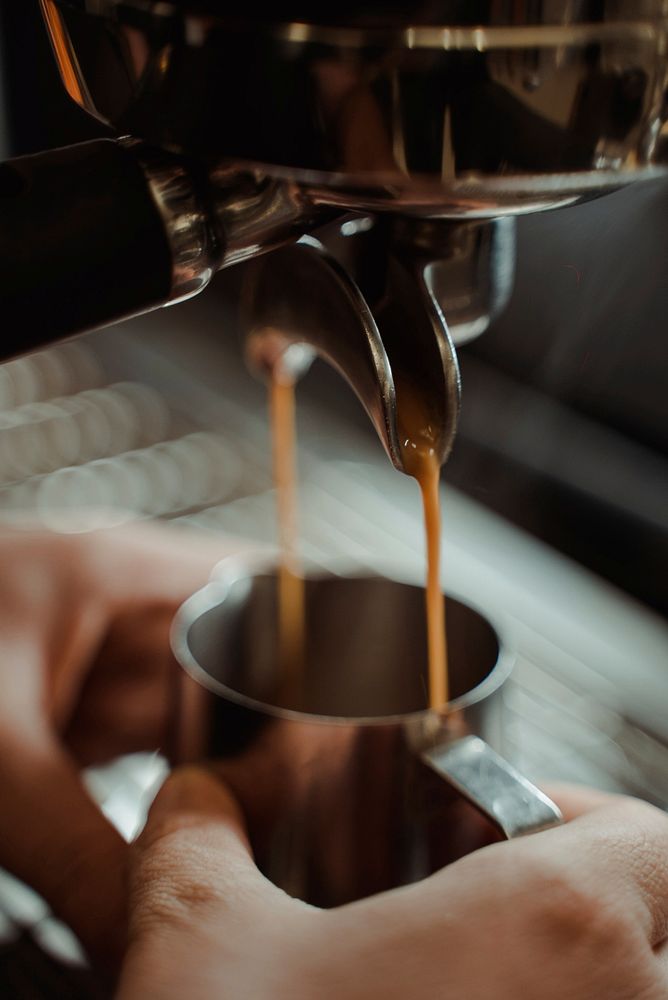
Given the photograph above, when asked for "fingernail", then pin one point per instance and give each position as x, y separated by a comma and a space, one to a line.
194, 790
188, 786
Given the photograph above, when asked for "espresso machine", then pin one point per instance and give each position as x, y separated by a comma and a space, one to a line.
366, 164
380, 152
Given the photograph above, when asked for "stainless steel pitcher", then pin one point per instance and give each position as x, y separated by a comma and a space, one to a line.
360, 788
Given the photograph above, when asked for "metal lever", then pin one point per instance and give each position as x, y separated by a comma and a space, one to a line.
499, 791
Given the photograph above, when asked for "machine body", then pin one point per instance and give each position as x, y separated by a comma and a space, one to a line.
432, 125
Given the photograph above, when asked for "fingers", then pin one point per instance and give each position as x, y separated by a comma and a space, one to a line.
627, 836
126, 701
193, 856
198, 904
611, 857
195, 800
51, 834
610, 861
661, 954
151, 561
623, 845
54, 837
625, 842
204, 922
121, 702
613, 848
576, 800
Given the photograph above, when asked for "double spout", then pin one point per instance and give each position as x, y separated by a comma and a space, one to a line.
91, 234
350, 298
370, 295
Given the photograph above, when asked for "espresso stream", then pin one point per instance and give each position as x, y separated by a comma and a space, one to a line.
291, 618
418, 439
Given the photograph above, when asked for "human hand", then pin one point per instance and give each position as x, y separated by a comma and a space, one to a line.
579, 912
84, 671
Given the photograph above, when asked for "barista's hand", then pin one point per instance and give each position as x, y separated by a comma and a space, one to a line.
84, 663
575, 913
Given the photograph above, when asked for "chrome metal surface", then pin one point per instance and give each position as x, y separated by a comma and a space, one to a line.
302, 296
452, 109
196, 252
338, 799
370, 311
494, 786
220, 218
257, 213
467, 268
449, 111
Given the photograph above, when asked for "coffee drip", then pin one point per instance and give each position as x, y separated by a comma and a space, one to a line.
362, 309
419, 445
291, 612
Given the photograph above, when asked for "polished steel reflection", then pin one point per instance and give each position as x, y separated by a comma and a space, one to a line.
357, 301
467, 269
441, 117
256, 213
195, 247
342, 785
481, 111
494, 785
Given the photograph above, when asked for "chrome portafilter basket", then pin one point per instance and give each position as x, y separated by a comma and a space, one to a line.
401, 140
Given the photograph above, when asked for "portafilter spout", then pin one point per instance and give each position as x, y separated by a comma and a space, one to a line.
352, 297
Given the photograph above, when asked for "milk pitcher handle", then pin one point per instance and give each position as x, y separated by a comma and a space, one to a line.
493, 786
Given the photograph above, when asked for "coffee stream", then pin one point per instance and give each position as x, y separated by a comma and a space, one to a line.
291, 619
418, 441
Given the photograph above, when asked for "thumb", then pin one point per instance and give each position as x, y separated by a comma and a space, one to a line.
578, 800
196, 897
192, 856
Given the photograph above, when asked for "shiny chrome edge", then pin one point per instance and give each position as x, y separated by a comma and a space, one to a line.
450, 37
196, 252
494, 786
234, 569
479, 39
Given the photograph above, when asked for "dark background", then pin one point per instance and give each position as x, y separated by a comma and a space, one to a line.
565, 409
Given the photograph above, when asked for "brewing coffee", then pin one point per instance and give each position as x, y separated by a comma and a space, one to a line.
291, 621
345, 797
418, 441
419, 445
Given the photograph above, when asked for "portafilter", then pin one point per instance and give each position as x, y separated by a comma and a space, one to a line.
381, 150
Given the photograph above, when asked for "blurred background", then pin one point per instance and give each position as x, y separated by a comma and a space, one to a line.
555, 497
